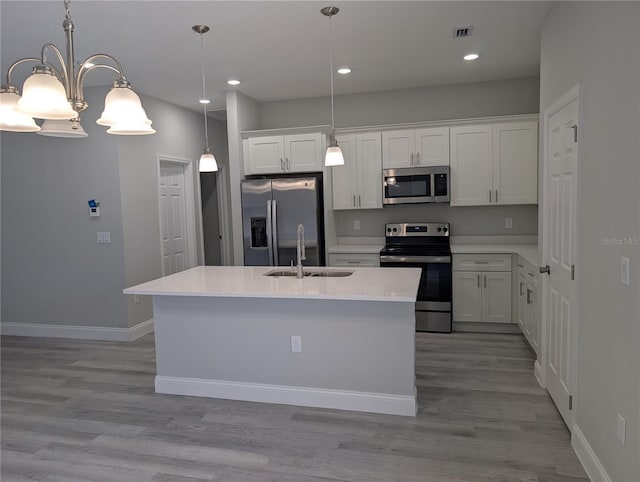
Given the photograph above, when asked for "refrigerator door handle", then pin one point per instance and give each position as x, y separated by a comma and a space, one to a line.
274, 232
269, 241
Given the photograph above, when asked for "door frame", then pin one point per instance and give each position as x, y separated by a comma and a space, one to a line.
224, 229
573, 94
195, 243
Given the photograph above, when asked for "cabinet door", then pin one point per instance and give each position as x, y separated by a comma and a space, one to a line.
515, 163
496, 297
471, 165
522, 305
344, 178
531, 308
467, 296
303, 152
432, 146
265, 155
398, 148
369, 154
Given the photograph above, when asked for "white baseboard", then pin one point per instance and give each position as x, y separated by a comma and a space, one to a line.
307, 397
539, 374
78, 332
481, 327
588, 457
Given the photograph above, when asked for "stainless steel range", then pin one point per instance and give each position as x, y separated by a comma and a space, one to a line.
426, 246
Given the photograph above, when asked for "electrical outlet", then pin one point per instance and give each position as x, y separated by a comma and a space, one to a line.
136, 298
356, 224
296, 344
621, 429
624, 270
508, 223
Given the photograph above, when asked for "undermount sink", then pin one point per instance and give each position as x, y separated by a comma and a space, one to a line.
314, 274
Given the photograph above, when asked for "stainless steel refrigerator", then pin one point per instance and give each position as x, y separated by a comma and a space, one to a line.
271, 212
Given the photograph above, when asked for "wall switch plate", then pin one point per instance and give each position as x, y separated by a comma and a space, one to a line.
296, 344
508, 223
136, 298
624, 270
356, 224
94, 212
621, 430
104, 237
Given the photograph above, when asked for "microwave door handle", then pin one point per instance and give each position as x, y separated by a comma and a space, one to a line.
269, 240
274, 231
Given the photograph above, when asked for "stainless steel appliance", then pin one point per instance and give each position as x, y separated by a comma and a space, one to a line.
425, 246
416, 185
272, 209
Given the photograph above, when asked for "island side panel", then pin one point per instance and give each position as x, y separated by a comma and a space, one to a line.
354, 346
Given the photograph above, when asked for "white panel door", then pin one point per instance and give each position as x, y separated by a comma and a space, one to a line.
559, 242
173, 219
369, 153
467, 296
496, 297
345, 178
471, 165
303, 152
266, 155
432, 146
398, 148
515, 163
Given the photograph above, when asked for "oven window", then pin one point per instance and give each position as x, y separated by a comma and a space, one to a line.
435, 282
408, 186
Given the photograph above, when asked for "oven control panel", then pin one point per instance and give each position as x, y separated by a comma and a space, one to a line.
416, 229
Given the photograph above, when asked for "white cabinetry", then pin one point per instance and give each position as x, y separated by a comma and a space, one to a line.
424, 147
494, 164
482, 288
359, 260
358, 184
280, 154
528, 316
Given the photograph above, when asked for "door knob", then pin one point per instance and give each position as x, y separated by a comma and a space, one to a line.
545, 269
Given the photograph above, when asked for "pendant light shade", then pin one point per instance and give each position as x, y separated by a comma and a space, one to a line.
44, 97
122, 107
70, 128
334, 156
10, 119
131, 129
207, 162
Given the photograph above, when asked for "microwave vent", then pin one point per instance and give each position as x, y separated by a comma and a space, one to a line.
461, 32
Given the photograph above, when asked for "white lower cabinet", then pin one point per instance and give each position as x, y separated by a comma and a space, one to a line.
355, 260
528, 313
482, 288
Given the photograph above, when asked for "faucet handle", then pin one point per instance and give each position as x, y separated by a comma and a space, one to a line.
293, 268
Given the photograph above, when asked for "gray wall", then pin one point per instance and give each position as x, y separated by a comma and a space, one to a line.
607, 67
53, 270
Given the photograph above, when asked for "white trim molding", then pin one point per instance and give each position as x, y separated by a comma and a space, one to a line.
306, 397
78, 332
592, 465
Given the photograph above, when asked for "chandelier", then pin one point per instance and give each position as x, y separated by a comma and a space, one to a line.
54, 92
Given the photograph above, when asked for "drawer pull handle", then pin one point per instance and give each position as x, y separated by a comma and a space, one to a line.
481, 262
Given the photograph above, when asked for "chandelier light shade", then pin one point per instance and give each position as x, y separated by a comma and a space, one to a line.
69, 128
55, 92
207, 160
333, 156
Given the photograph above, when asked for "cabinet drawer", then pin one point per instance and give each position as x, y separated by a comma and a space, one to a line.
355, 260
481, 262
528, 271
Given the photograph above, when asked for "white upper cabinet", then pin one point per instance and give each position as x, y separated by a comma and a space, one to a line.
358, 184
281, 154
494, 164
415, 147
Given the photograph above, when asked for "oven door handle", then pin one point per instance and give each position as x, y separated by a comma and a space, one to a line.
415, 259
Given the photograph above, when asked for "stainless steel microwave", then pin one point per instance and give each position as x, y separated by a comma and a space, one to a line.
416, 185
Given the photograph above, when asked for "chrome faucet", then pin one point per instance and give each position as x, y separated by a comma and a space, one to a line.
301, 256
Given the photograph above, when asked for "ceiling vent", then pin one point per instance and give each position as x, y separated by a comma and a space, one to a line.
461, 32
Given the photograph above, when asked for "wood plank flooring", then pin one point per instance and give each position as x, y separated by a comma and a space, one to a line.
76, 410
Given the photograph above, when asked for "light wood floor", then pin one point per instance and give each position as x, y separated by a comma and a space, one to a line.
77, 410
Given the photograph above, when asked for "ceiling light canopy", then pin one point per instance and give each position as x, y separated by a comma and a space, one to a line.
207, 160
333, 156
471, 56
54, 92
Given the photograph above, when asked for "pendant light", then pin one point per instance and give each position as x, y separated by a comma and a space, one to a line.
207, 161
334, 156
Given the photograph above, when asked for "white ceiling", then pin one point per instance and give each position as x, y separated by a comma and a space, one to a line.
279, 49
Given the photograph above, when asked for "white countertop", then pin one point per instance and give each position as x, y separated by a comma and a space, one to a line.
374, 284
355, 249
528, 251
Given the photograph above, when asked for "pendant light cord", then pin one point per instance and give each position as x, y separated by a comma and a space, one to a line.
204, 94
333, 128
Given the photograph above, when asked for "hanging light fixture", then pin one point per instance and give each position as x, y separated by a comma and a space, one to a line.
334, 156
55, 93
207, 161
69, 128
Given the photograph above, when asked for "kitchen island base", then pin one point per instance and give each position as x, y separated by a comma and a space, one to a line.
355, 354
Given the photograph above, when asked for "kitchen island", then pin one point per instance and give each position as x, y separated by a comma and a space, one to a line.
230, 332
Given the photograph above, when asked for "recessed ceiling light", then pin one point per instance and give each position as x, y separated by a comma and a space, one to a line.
233, 82
204, 101
344, 70
471, 56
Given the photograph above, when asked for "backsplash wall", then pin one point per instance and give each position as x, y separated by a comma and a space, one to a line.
465, 221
